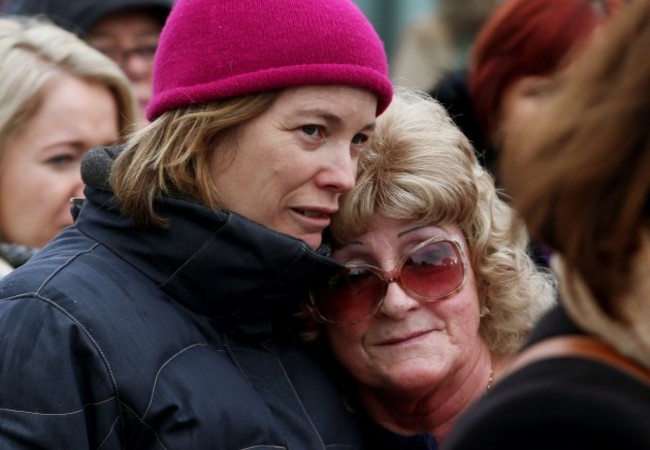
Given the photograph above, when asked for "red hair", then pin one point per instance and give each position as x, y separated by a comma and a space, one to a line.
524, 38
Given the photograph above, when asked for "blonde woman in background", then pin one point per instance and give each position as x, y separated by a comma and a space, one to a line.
59, 98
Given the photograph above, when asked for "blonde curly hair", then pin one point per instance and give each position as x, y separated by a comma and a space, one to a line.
420, 167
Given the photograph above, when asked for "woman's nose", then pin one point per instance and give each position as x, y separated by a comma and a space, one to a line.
340, 173
397, 302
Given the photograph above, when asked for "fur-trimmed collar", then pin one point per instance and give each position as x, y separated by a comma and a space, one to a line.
16, 255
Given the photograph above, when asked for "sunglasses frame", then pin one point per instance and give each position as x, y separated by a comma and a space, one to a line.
394, 275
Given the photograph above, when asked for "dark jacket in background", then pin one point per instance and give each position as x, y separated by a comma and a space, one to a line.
117, 338
78, 16
453, 93
561, 403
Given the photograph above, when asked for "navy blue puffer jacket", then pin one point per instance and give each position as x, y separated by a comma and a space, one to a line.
117, 338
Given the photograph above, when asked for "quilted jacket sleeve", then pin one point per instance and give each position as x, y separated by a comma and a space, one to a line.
55, 390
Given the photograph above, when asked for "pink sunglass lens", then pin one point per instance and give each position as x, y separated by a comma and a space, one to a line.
433, 271
349, 295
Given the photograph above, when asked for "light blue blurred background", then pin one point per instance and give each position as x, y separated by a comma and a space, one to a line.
390, 17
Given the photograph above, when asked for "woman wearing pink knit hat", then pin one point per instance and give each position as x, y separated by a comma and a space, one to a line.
161, 318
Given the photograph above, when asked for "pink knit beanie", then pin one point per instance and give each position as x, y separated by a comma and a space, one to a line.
214, 49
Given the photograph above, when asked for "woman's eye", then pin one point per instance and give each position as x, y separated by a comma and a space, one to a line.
311, 130
60, 161
356, 275
359, 139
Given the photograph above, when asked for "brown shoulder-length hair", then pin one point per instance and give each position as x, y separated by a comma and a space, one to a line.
580, 175
172, 155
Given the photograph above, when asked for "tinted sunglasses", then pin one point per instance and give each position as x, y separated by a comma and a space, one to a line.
432, 270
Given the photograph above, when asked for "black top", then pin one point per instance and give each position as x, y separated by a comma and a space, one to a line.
379, 438
560, 403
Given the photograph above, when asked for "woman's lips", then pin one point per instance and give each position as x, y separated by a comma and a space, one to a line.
405, 339
316, 219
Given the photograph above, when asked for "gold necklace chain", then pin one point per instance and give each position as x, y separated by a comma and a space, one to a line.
489, 383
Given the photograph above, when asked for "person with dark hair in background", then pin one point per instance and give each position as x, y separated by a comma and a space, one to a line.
583, 379
160, 319
436, 293
60, 97
125, 30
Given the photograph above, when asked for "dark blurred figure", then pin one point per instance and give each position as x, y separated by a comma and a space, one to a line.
125, 30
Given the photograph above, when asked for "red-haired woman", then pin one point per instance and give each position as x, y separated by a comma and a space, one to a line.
520, 50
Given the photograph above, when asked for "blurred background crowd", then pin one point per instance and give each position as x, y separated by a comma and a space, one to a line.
422, 37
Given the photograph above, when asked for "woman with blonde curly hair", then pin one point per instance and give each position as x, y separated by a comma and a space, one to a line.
437, 291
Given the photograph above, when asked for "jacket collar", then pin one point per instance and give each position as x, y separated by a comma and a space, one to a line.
216, 263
